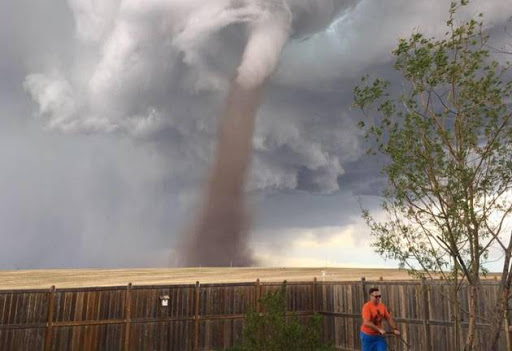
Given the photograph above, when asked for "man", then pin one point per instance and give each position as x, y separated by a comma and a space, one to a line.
372, 333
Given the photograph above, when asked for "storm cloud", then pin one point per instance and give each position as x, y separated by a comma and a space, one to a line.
110, 110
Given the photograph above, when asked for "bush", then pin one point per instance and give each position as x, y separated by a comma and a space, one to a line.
273, 330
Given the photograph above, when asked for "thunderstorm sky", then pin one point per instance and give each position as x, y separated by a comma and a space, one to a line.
109, 109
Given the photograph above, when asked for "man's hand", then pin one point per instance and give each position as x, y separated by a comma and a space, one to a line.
382, 331
396, 332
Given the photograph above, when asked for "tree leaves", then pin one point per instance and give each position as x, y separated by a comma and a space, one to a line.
447, 136
274, 330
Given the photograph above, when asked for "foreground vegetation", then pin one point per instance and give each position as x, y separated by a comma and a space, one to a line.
275, 330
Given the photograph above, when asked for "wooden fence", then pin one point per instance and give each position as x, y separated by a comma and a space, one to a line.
210, 316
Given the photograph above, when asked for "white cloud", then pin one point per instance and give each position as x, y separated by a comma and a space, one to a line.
325, 237
54, 96
366, 36
332, 246
161, 67
93, 18
283, 260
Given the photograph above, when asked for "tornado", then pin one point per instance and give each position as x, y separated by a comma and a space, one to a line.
219, 237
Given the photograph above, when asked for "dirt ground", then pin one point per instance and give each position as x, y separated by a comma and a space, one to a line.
72, 278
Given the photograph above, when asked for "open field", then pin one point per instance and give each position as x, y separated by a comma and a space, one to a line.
73, 278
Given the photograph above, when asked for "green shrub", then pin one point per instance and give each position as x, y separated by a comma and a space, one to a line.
273, 330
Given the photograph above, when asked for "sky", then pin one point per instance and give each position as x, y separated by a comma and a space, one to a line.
108, 115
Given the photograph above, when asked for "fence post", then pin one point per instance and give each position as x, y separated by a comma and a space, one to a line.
49, 324
257, 295
314, 295
196, 318
426, 314
127, 316
363, 288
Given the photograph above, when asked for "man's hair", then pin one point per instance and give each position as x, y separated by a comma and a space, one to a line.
373, 290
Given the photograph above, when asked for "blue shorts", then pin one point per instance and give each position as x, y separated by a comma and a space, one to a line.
373, 342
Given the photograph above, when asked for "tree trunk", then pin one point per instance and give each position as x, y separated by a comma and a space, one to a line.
456, 308
456, 316
473, 299
502, 303
497, 319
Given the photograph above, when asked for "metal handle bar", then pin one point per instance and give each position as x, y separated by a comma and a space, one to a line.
399, 336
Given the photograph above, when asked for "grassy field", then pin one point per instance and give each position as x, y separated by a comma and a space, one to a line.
72, 278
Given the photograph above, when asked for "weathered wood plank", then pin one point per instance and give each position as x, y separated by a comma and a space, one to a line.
211, 316
49, 328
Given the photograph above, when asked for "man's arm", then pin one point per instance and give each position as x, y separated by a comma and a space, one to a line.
392, 323
370, 324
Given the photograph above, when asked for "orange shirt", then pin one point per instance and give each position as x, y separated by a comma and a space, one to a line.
375, 314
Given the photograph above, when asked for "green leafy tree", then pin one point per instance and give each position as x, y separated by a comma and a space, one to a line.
446, 135
275, 330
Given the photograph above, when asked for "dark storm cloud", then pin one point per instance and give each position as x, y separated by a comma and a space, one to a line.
162, 68
159, 74
126, 103
81, 201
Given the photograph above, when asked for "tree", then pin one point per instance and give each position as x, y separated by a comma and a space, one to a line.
446, 137
274, 330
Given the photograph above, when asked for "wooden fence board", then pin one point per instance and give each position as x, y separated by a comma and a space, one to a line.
147, 303
162, 336
89, 305
22, 339
23, 308
211, 315
90, 337
219, 334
